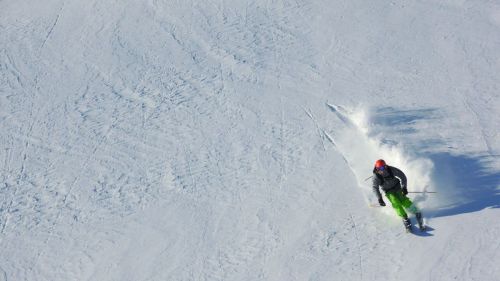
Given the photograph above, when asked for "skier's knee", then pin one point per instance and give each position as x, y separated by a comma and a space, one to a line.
412, 209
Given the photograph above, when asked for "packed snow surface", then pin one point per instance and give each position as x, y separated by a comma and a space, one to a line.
234, 140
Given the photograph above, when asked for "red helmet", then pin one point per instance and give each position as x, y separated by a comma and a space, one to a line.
380, 163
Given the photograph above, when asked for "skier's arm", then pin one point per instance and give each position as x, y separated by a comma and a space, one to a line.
375, 187
399, 174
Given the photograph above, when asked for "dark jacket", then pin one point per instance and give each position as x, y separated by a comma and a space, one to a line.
392, 180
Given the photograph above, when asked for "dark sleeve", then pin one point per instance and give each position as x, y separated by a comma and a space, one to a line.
375, 185
398, 173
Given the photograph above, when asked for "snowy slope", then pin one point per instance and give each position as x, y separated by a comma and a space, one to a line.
231, 140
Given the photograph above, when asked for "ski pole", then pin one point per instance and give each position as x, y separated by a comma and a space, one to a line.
422, 192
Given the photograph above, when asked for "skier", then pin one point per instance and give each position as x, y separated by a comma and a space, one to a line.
393, 182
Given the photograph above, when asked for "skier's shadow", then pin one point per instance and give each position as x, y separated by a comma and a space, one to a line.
464, 183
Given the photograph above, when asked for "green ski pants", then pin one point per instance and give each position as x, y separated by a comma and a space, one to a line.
400, 203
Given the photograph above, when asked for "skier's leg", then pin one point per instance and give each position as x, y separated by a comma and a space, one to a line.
420, 221
398, 207
396, 204
407, 204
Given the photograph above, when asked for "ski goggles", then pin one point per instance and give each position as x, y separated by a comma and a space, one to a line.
381, 168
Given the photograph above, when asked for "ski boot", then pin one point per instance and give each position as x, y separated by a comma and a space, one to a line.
407, 223
420, 221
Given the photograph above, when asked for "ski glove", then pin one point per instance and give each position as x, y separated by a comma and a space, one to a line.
405, 190
381, 202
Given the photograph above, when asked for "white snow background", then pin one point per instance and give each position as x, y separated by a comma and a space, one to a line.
231, 140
